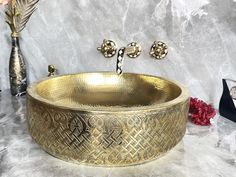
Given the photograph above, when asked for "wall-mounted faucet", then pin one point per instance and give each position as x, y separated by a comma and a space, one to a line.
108, 48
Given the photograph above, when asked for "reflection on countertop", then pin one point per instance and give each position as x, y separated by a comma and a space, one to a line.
204, 151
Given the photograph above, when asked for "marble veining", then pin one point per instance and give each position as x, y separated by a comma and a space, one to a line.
201, 36
204, 151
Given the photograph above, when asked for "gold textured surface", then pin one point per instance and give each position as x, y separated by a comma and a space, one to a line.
107, 119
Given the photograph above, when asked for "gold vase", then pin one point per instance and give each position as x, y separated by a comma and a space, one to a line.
17, 70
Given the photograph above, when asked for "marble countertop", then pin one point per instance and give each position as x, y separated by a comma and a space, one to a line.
203, 152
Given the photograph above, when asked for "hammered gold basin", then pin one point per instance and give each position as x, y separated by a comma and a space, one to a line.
107, 119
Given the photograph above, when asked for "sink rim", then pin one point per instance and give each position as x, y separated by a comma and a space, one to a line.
184, 95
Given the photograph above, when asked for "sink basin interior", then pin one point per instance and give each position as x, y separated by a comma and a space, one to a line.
107, 89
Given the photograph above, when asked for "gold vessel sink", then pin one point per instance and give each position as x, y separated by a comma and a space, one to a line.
107, 119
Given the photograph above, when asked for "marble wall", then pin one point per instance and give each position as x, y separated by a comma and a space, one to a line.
201, 35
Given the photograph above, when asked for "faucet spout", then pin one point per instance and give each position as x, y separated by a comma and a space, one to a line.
120, 59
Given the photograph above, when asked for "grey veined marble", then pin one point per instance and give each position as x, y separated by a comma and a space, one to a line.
201, 35
203, 152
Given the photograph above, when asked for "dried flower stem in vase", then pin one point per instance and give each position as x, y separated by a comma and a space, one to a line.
17, 16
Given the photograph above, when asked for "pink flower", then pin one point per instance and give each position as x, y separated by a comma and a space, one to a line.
201, 112
4, 2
